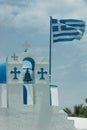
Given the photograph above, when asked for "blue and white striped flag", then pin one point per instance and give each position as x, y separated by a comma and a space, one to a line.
67, 29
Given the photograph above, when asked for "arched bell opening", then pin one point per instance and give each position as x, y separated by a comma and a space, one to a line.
28, 80
28, 70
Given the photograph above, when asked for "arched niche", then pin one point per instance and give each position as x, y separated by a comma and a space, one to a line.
28, 70
28, 63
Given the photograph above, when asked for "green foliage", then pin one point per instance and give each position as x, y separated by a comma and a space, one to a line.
86, 100
68, 111
78, 111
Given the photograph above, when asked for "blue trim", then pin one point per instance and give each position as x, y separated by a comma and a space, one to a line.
50, 99
24, 95
29, 82
53, 86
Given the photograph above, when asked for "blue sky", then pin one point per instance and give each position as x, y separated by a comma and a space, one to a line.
28, 20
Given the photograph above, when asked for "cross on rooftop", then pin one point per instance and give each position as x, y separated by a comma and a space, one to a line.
15, 72
42, 72
14, 57
26, 46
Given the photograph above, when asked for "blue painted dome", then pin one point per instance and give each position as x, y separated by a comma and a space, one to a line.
3, 73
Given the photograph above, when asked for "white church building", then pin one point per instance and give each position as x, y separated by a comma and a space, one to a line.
27, 100
16, 67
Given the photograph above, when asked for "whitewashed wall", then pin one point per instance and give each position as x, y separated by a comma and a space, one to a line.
80, 123
3, 95
54, 96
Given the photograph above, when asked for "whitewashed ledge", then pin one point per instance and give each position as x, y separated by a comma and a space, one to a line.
79, 123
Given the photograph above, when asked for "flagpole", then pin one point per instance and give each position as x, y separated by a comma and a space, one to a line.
50, 52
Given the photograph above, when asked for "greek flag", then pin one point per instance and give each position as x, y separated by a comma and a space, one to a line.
67, 29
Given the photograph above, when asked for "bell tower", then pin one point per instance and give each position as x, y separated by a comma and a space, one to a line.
27, 85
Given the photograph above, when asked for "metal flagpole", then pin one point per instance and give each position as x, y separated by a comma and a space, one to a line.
50, 52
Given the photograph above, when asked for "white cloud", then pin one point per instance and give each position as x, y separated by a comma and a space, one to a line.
36, 14
82, 46
2, 60
62, 70
84, 67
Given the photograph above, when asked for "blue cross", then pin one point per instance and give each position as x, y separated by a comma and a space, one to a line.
15, 72
42, 72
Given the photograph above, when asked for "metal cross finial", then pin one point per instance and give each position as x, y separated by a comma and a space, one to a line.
14, 56
26, 46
